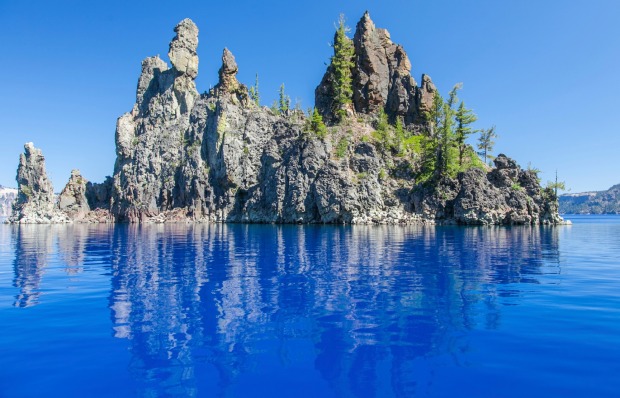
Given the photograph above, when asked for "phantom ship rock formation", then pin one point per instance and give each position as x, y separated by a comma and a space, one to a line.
220, 157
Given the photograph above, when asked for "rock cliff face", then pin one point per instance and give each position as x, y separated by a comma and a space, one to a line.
7, 197
601, 202
218, 157
35, 202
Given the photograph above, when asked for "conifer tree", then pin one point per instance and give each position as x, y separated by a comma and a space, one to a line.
486, 141
464, 118
445, 135
284, 102
316, 124
254, 94
342, 67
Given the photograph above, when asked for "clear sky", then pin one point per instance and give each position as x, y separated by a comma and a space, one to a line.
546, 73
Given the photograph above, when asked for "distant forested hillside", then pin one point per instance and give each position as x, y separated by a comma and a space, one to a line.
602, 202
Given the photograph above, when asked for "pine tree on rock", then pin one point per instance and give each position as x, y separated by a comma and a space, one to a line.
284, 101
254, 94
316, 124
486, 142
342, 64
464, 118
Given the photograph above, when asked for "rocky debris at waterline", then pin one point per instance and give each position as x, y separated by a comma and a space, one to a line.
218, 157
35, 202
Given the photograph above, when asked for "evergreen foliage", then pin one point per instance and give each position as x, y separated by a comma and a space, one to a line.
316, 125
342, 66
284, 101
382, 129
442, 146
254, 94
342, 147
464, 118
486, 142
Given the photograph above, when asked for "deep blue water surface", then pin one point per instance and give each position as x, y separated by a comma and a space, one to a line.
309, 311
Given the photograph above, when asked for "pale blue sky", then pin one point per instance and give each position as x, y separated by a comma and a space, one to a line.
546, 73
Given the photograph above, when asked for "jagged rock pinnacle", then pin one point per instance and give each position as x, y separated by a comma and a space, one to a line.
35, 200
183, 47
228, 72
427, 94
381, 77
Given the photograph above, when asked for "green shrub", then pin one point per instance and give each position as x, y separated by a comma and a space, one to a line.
342, 147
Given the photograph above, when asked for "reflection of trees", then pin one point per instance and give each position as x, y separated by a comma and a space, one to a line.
373, 302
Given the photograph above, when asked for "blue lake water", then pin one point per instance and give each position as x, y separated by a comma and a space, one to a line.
310, 311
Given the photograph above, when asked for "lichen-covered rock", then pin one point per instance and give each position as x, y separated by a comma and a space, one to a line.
35, 202
72, 200
228, 72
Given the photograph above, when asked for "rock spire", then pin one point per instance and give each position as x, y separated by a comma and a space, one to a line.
183, 48
35, 202
381, 77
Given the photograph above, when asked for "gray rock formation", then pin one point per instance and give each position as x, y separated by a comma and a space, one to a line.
150, 139
504, 195
35, 202
7, 197
598, 202
72, 199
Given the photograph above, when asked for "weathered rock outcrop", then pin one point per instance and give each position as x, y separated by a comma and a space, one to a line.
35, 202
72, 200
218, 157
504, 195
150, 138
381, 79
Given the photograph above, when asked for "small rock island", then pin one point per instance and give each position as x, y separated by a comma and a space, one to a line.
378, 148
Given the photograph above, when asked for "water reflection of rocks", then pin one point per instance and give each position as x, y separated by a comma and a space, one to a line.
36, 245
361, 305
204, 306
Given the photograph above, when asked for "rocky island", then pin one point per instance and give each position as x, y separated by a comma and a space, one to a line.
378, 148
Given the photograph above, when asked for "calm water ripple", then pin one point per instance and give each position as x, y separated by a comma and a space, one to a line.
295, 311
